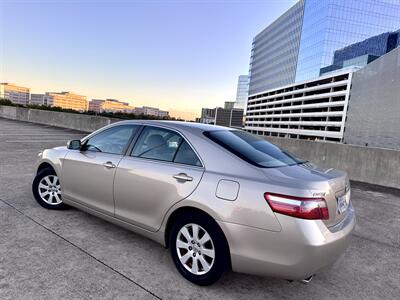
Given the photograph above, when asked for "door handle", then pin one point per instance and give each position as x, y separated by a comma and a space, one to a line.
109, 165
183, 177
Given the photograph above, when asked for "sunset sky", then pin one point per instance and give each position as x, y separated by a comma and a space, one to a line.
175, 55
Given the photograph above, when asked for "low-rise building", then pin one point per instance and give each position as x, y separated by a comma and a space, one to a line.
232, 117
16, 94
67, 100
229, 104
207, 116
151, 111
229, 117
109, 105
38, 99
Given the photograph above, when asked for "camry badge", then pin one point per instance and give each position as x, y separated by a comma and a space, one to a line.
319, 194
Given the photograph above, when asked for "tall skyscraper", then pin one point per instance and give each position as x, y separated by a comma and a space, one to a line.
274, 51
242, 92
303, 40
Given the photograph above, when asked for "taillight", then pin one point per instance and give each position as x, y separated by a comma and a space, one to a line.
303, 208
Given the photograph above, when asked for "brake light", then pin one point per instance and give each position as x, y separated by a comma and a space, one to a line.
303, 208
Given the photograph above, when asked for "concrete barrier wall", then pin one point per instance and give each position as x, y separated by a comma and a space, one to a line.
364, 164
369, 165
86, 123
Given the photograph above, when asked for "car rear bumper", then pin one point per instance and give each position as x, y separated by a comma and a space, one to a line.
299, 250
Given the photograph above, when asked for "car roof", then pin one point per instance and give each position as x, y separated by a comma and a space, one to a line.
189, 126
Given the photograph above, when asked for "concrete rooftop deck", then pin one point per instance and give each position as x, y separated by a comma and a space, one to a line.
70, 254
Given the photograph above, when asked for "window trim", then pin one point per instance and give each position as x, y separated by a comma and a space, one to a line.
134, 144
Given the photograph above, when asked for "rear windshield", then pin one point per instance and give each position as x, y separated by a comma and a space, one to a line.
253, 149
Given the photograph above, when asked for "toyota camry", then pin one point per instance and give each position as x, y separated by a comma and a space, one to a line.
218, 198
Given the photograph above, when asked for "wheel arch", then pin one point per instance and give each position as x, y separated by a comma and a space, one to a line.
44, 165
194, 210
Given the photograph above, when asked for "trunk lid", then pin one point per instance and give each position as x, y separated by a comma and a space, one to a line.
308, 180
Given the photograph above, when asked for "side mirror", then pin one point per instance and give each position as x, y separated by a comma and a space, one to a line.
74, 145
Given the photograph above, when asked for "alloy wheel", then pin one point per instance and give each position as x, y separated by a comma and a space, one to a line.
195, 249
50, 190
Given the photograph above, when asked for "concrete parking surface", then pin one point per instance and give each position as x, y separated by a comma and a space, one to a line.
69, 254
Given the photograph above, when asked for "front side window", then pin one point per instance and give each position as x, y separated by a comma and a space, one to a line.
166, 145
113, 140
252, 148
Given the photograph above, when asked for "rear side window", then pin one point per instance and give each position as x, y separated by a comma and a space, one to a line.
157, 143
166, 145
186, 155
252, 148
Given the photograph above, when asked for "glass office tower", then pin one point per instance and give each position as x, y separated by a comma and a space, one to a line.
303, 40
329, 25
242, 91
274, 51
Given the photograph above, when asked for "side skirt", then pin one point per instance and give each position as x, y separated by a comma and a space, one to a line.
155, 236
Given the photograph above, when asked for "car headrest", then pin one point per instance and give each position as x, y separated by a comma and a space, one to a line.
155, 140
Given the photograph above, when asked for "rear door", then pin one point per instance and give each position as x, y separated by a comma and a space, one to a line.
88, 174
161, 170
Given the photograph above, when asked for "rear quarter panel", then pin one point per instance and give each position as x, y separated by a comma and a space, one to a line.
249, 208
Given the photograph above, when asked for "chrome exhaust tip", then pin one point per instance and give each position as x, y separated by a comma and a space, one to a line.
307, 280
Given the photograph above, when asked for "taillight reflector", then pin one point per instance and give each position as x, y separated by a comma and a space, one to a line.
303, 208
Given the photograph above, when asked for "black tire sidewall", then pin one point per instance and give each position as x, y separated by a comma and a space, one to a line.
35, 185
220, 245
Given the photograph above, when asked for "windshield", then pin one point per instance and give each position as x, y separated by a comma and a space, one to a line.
253, 149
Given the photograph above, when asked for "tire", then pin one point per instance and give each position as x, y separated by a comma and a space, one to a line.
209, 269
46, 189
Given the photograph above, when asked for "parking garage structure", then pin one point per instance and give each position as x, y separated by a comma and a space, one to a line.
313, 110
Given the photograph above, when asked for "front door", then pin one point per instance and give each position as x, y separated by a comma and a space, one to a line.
88, 174
161, 170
